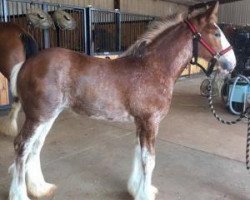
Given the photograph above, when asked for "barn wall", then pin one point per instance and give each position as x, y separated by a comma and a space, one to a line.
151, 7
236, 13
147, 7
105, 4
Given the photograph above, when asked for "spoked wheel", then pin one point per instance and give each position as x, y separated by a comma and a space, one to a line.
204, 88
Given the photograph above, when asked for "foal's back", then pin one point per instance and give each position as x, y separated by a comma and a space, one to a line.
58, 78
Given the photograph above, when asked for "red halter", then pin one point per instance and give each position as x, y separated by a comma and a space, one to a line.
197, 35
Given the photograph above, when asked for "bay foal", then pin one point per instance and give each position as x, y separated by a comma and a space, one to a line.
138, 86
16, 45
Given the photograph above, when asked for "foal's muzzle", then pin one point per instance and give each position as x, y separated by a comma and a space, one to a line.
226, 65
220, 57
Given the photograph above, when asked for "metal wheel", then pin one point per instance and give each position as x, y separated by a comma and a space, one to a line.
204, 88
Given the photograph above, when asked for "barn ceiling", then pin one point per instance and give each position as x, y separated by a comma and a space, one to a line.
194, 2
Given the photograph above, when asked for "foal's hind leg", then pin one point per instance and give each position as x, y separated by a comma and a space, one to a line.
36, 184
28, 145
139, 184
22, 144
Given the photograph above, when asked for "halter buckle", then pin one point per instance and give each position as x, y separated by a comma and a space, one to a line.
197, 35
217, 56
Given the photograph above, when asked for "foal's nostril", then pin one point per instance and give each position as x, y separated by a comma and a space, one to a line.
226, 65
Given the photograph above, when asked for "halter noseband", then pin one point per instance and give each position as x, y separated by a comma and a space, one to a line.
197, 37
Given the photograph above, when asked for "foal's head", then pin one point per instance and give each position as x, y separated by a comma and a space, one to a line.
211, 34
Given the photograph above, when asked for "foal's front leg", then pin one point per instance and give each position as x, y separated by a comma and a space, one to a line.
140, 185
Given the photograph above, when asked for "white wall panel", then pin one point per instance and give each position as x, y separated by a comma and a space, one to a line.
235, 13
151, 7
105, 4
147, 7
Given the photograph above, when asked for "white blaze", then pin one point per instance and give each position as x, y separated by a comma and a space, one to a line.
229, 56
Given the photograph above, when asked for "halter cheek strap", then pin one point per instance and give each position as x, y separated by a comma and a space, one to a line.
197, 38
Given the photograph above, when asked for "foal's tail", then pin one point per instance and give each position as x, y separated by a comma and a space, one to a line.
30, 45
8, 124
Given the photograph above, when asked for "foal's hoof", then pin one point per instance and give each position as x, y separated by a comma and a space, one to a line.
51, 190
45, 190
154, 190
17, 196
149, 195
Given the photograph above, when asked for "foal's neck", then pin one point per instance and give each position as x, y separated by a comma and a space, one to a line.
172, 51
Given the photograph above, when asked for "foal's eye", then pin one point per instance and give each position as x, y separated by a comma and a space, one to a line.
217, 35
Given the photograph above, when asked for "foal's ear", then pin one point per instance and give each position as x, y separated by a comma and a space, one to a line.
212, 13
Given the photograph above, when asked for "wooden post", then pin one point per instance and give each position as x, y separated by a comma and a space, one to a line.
117, 4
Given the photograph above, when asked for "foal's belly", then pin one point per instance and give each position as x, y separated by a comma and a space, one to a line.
117, 116
99, 97
104, 109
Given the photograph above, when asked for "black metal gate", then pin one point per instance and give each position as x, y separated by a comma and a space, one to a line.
97, 31
16, 10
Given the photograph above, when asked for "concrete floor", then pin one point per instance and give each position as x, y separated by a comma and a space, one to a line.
197, 157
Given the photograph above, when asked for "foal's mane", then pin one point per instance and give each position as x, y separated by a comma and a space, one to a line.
154, 30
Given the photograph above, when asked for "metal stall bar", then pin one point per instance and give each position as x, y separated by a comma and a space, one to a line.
1, 11
118, 30
88, 38
46, 36
4, 13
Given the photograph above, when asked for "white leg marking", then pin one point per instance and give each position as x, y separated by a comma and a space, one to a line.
140, 185
36, 184
13, 78
30, 164
137, 172
18, 190
8, 126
